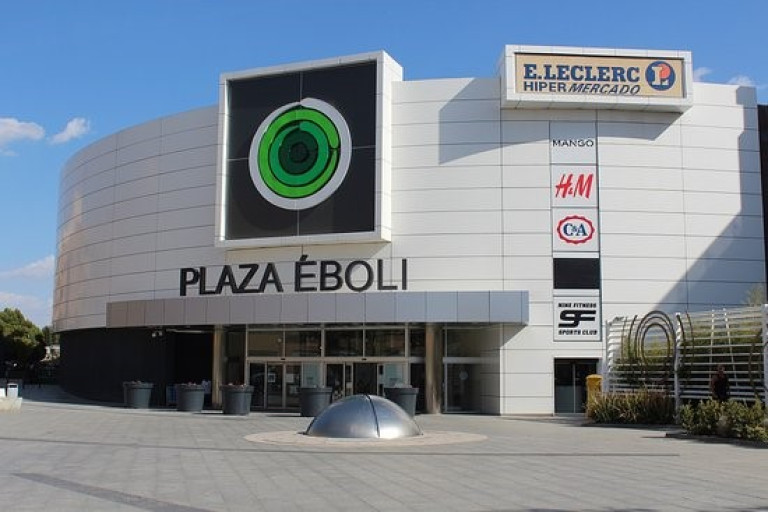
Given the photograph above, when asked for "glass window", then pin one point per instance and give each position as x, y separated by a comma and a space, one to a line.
385, 342
310, 375
344, 343
302, 343
265, 343
470, 342
417, 343
235, 351
393, 375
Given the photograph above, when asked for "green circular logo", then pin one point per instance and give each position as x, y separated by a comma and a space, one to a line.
300, 154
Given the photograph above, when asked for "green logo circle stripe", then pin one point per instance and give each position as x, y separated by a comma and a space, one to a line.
310, 175
298, 184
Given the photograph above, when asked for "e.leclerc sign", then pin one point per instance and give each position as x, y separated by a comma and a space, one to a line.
598, 75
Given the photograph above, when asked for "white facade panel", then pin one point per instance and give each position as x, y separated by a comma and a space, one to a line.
436, 178
464, 155
665, 201
526, 176
722, 159
526, 221
480, 132
707, 225
525, 153
463, 269
415, 223
136, 188
639, 155
637, 178
136, 152
142, 169
458, 111
445, 200
641, 223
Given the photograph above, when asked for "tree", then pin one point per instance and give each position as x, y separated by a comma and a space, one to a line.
18, 336
755, 296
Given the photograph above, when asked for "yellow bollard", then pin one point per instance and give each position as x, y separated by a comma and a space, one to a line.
594, 386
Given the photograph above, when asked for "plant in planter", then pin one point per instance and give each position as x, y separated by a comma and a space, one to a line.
136, 394
236, 399
190, 397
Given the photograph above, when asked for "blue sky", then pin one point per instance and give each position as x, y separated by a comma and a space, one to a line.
78, 70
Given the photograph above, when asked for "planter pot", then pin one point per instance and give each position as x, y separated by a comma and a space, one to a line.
137, 394
190, 397
404, 397
312, 401
236, 399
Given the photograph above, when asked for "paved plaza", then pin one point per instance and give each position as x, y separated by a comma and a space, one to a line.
60, 455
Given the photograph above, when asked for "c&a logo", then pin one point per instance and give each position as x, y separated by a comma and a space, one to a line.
660, 75
575, 229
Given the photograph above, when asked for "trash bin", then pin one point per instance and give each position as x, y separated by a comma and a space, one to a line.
12, 390
312, 401
594, 386
404, 396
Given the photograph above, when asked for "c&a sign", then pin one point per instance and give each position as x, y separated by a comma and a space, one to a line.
574, 230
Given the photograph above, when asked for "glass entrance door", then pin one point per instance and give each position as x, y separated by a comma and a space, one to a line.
366, 378
571, 384
257, 379
338, 377
462, 387
275, 385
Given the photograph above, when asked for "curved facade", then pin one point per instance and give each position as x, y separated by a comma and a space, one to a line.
481, 235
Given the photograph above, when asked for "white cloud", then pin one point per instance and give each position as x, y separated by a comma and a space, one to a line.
76, 128
36, 309
742, 80
11, 129
40, 269
700, 73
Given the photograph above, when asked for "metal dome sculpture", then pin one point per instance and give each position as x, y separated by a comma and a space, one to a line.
363, 417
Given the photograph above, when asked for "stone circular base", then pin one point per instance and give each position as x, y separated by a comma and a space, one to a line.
432, 438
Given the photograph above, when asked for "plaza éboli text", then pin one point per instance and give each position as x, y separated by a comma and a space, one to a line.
308, 276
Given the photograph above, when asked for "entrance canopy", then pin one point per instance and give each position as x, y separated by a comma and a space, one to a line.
379, 307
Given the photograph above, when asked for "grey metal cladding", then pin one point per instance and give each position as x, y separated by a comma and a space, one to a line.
380, 307
474, 307
442, 307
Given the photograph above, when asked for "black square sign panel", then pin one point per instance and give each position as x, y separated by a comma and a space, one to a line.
300, 153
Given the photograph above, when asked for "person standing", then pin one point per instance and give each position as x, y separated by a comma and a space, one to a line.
719, 385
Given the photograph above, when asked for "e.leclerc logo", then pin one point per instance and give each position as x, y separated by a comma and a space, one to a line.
660, 75
575, 229
300, 154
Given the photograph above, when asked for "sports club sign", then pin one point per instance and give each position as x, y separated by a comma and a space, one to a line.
596, 75
577, 319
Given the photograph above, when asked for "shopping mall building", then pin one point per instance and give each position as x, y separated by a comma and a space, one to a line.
329, 223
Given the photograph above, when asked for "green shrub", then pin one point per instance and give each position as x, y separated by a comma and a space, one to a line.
645, 406
726, 419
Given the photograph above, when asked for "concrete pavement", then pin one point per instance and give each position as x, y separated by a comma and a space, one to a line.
59, 454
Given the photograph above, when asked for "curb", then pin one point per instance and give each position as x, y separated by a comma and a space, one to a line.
717, 440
